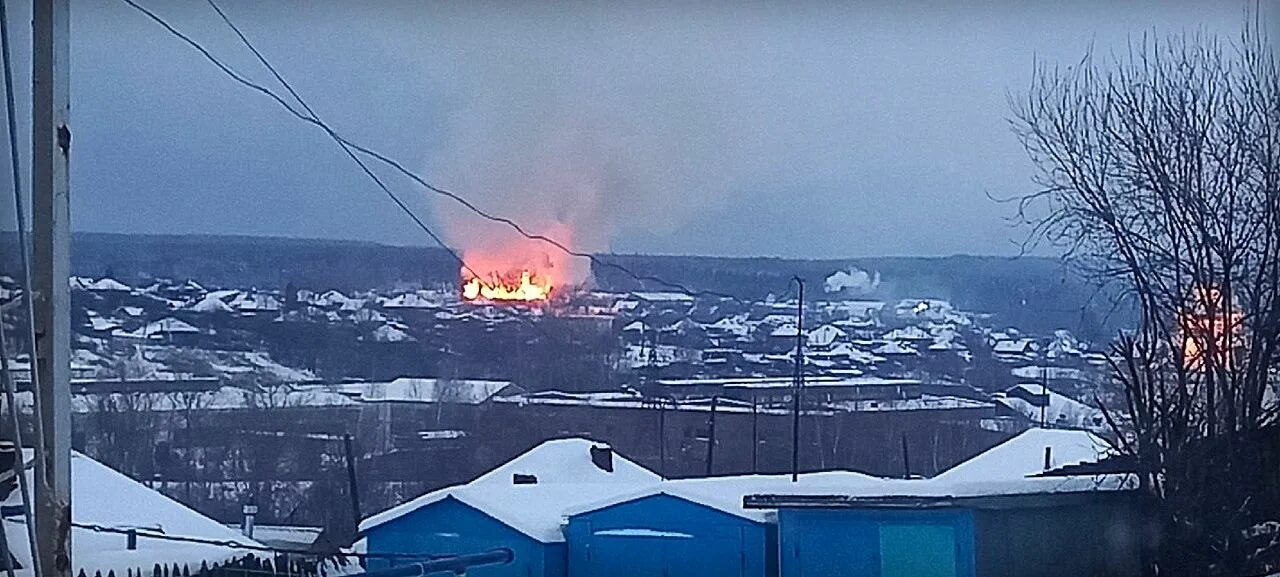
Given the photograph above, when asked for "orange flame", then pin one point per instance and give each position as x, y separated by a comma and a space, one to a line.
1210, 322
527, 287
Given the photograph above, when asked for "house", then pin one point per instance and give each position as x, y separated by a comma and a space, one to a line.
983, 518
106, 498
685, 527
1036, 402
1015, 349
519, 506
825, 337
1032, 452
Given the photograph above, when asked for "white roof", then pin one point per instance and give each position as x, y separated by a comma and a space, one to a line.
894, 348
107, 284
663, 297
389, 333
726, 493
409, 389
1062, 411
1013, 346
911, 333
566, 480
108, 498
170, 325
1023, 455
210, 303
825, 335
785, 331
635, 326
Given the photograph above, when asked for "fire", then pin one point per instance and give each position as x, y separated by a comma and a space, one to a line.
523, 287
1210, 321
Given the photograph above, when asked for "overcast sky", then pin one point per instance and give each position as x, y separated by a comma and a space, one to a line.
769, 130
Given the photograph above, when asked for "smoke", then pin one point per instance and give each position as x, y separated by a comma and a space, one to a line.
854, 280
585, 148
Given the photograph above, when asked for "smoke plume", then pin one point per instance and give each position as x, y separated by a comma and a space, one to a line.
854, 280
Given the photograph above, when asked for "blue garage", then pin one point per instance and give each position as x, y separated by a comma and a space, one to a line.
450, 526
1092, 529
874, 542
672, 536
520, 506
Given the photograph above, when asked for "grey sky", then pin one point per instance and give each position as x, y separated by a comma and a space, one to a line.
767, 130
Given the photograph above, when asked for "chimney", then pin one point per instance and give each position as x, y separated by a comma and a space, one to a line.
246, 525
602, 457
1048, 458
523, 479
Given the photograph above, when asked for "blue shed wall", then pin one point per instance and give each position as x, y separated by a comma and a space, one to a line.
875, 543
669, 536
451, 527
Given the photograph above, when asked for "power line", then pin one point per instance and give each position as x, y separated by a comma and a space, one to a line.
7, 377
233, 544
345, 146
311, 117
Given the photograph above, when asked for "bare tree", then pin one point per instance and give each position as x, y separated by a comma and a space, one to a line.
1158, 171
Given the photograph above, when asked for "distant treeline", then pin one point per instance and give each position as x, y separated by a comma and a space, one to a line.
1031, 293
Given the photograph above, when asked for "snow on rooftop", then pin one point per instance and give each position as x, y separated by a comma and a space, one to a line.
566, 479
105, 497
389, 333
825, 335
1024, 455
726, 493
107, 284
894, 348
663, 297
1014, 346
209, 304
424, 390
1029, 399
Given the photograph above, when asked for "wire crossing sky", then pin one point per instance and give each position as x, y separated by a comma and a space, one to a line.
768, 130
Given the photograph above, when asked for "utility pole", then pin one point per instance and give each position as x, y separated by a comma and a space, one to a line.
1044, 392
797, 386
51, 235
662, 436
711, 437
352, 488
755, 435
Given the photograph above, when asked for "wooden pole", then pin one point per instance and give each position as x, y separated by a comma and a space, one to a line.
51, 248
711, 438
352, 487
797, 385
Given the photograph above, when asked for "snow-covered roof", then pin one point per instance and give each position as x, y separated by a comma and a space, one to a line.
1064, 411
818, 382
825, 335
894, 348
389, 333
1048, 372
1024, 455
785, 331
725, 493
255, 302
670, 297
171, 325
105, 497
209, 304
911, 333
411, 301
426, 390
107, 284
1013, 346
566, 478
